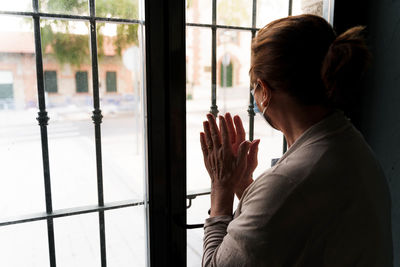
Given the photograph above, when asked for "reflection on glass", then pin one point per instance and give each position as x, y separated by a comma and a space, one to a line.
269, 10
24, 245
69, 101
21, 185
199, 11
125, 233
120, 75
126, 9
234, 13
77, 240
198, 92
76, 7
16, 5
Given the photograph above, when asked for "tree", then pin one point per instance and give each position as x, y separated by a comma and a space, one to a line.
68, 47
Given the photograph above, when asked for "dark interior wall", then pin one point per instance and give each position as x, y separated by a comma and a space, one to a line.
379, 109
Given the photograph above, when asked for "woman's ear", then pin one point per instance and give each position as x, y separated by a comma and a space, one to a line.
266, 92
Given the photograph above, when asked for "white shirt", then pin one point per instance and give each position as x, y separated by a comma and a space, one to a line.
325, 203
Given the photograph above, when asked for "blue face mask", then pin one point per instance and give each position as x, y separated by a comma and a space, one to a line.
255, 107
262, 114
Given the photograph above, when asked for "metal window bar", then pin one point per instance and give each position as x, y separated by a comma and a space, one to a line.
43, 119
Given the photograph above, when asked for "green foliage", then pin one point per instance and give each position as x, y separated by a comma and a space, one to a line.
60, 41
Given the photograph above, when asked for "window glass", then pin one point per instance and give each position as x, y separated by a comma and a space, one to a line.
199, 11
20, 147
125, 234
234, 13
74, 7
16, 5
121, 83
111, 81
77, 240
126, 9
269, 10
70, 129
24, 245
50, 81
81, 80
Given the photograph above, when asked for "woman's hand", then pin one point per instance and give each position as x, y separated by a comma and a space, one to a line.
226, 158
237, 135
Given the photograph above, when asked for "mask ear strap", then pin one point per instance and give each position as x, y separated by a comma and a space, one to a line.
266, 108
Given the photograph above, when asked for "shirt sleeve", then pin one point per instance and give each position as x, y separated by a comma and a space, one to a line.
236, 242
214, 233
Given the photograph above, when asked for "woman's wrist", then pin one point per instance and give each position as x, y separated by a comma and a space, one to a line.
221, 202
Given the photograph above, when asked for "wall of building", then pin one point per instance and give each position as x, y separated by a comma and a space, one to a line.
378, 116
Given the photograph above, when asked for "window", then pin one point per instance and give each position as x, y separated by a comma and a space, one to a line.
81, 79
6, 90
50, 81
92, 208
111, 81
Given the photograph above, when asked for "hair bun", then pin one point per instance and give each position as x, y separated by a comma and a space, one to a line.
344, 65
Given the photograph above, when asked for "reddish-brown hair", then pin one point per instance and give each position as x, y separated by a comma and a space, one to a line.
303, 56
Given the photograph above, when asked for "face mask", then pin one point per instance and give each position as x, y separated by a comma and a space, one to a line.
262, 114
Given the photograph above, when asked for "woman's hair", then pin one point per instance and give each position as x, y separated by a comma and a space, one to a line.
303, 56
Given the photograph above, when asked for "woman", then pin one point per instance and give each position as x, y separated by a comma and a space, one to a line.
326, 201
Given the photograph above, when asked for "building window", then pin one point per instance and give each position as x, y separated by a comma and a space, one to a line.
111, 81
81, 81
50, 81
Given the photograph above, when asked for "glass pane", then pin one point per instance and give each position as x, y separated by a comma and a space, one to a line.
77, 240
196, 214
126, 9
269, 10
296, 7
199, 11
16, 5
126, 237
24, 245
73, 7
233, 64
120, 74
234, 13
20, 146
198, 89
70, 130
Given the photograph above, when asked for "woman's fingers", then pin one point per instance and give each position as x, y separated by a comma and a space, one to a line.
252, 157
240, 133
231, 127
207, 134
203, 144
242, 153
226, 143
215, 134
